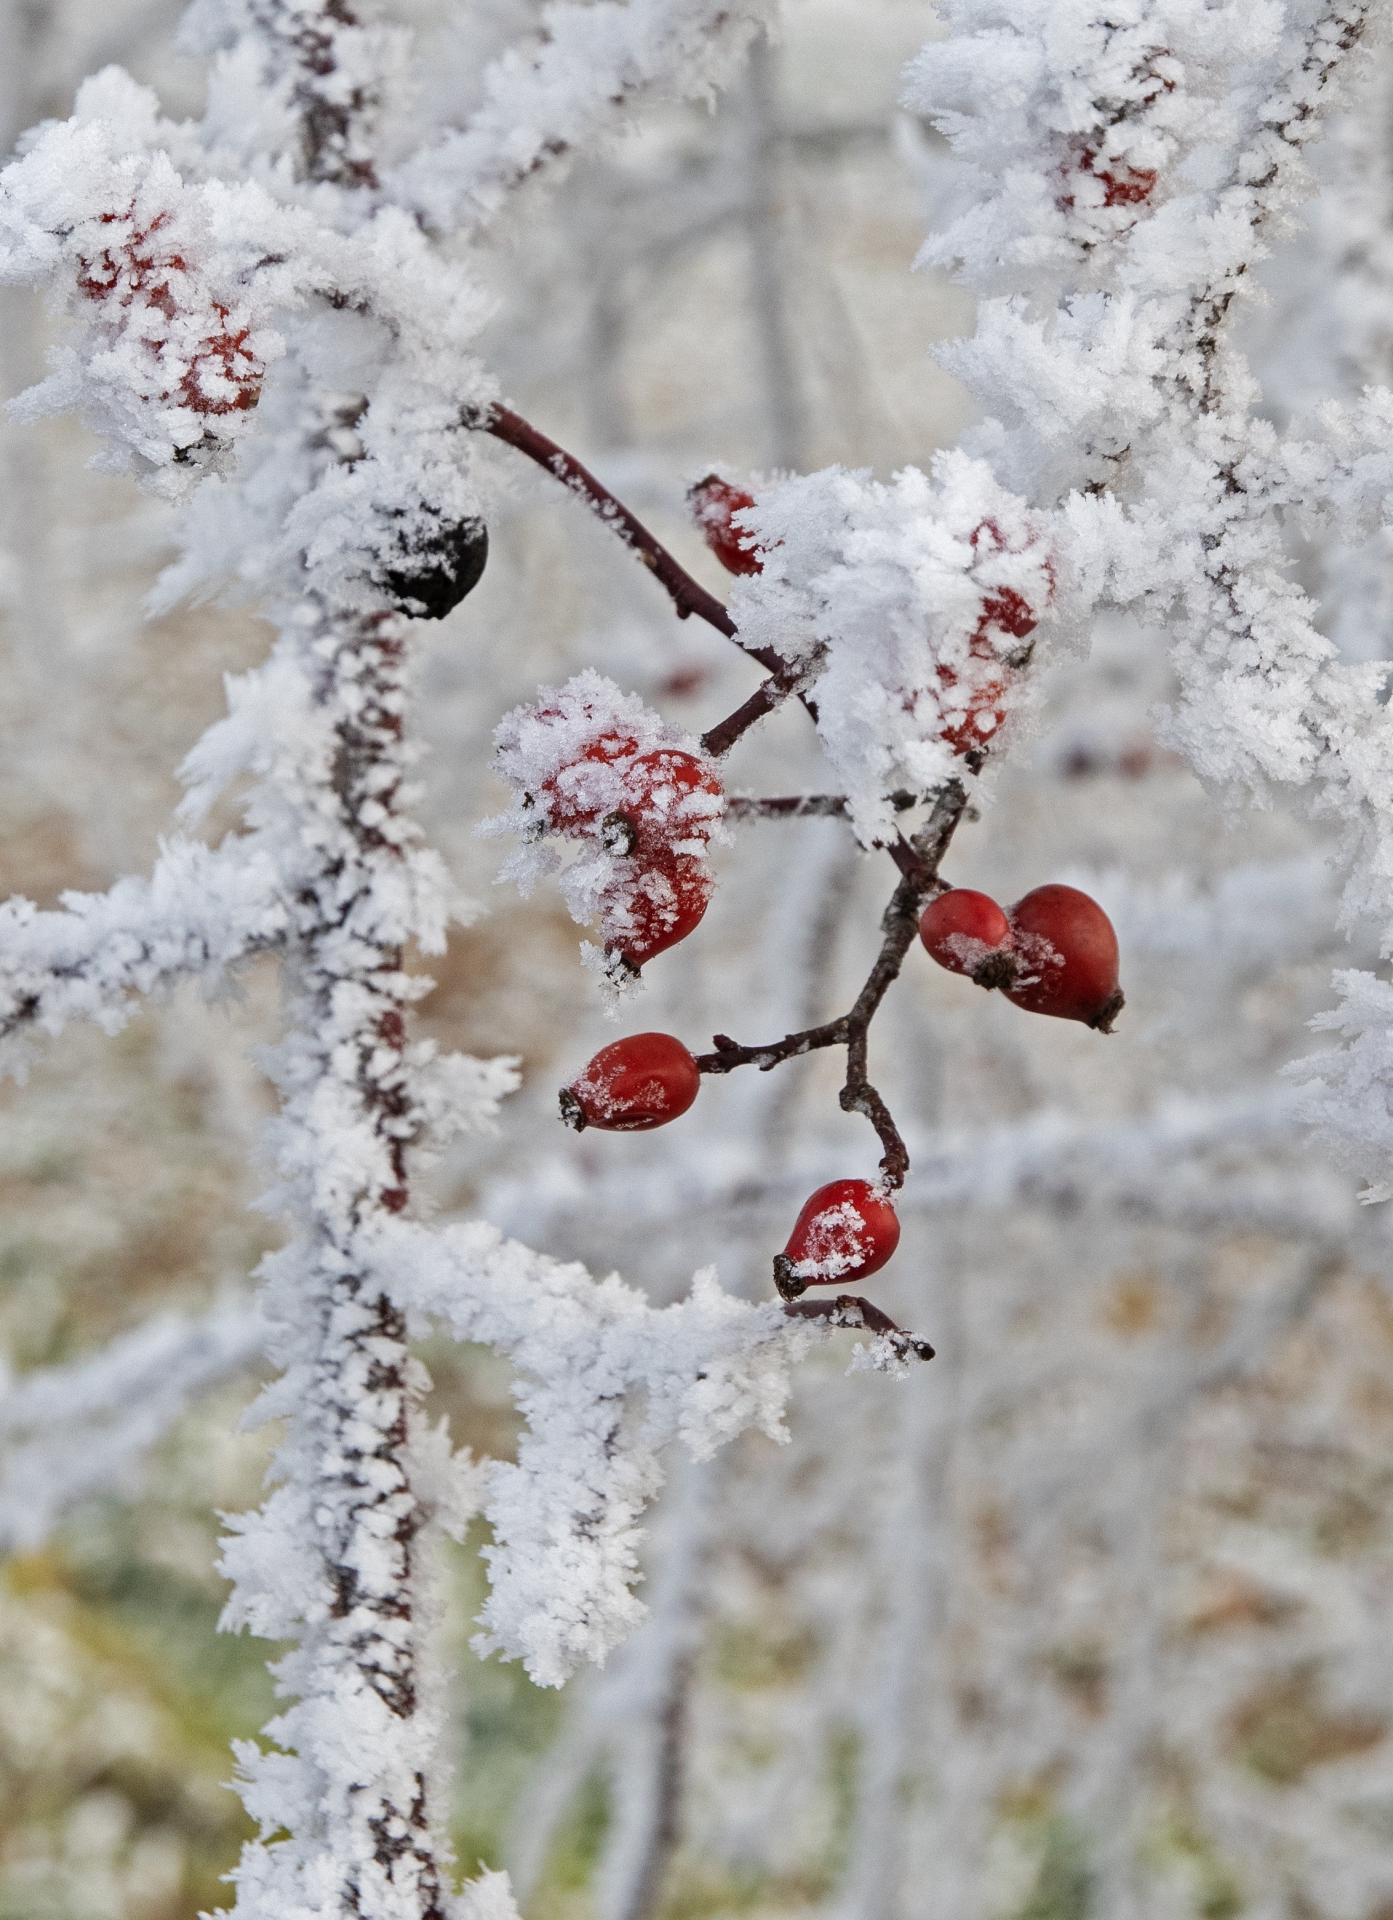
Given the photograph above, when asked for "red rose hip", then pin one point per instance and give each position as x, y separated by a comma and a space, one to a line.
570, 794
632, 1085
847, 1230
712, 502
663, 789
968, 933
1067, 954
651, 909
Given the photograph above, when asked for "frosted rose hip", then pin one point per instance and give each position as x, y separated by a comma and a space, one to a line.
968, 933
1067, 951
847, 1230
633, 1085
712, 502
649, 909
664, 787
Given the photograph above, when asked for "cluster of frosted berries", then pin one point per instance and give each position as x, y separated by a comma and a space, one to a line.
973, 703
597, 769
1054, 952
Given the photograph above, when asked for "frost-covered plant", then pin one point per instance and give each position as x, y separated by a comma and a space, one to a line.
265, 327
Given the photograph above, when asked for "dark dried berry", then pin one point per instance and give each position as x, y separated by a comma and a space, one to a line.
436, 573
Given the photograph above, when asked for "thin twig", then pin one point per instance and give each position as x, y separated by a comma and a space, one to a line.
923, 855
686, 594
800, 806
850, 1310
768, 695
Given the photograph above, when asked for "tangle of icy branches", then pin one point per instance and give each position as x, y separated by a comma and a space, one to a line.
261, 329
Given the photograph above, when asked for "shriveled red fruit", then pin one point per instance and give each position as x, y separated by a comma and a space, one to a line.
1067, 951
650, 909
632, 1085
847, 1230
712, 502
968, 933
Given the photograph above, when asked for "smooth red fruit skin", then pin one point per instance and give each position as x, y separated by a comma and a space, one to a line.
1068, 954
633, 1085
848, 1225
660, 904
712, 502
966, 931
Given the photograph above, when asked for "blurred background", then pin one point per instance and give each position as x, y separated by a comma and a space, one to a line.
1089, 1618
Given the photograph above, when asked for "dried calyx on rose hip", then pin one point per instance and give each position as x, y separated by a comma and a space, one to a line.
430, 575
713, 502
633, 1085
847, 1230
1054, 952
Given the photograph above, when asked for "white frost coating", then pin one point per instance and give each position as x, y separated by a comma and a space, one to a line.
67, 1433
489, 1896
608, 1380
200, 912
911, 605
543, 103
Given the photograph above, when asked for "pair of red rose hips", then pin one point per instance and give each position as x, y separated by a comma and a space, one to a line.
652, 816
1054, 952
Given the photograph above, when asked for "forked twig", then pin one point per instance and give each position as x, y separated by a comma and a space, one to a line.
924, 853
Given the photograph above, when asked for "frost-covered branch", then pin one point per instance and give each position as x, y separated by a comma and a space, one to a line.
591, 66
69, 1433
199, 914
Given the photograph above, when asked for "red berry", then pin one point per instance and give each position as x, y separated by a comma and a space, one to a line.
848, 1229
659, 789
968, 933
1067, 954
641, 802
632, 1085
1006, 611
652, 904
571, 800
712, 502
974, 717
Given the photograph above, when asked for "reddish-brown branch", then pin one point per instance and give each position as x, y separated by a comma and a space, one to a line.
850, 1310
768, 695
686, 594
924, 851
800, 806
